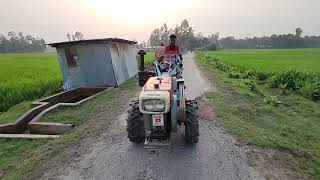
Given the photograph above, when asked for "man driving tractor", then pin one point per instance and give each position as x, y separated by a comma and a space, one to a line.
172, 49
167, 52
170, 55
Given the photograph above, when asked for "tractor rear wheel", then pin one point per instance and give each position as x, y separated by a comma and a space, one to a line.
135, 124
192, 122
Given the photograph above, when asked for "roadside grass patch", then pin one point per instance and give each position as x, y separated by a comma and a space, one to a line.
22, 158
76, 116
13, 149
257, 114
14, 112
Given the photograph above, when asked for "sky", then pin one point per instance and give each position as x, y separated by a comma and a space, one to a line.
135, 19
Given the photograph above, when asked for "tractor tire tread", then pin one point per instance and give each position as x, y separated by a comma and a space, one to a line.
135, 124
192, 122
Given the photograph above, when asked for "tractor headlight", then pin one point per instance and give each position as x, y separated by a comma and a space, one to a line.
156, 105
148, 105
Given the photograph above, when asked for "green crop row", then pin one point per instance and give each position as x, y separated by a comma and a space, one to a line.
302, 82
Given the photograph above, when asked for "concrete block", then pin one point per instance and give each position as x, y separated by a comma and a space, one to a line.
49, 128
8, 129
28, 136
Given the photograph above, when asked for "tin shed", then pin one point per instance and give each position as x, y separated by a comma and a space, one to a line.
96, 62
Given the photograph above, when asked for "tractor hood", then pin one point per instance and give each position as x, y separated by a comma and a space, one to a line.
158, 84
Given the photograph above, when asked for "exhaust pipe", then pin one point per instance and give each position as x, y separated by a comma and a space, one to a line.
141, 53
142, 74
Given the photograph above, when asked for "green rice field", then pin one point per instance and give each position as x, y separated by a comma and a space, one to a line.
149, 58
273, 60
27, 76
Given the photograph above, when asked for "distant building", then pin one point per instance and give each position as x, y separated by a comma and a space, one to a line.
262, 46
149, 49
96, 62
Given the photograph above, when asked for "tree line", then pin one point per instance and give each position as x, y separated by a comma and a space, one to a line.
190, 40
19, 42
185, 33
295, 40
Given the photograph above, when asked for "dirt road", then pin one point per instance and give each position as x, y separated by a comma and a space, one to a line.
215, 156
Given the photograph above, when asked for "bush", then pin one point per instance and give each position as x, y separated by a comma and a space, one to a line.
251, 85
261, 76
310, 90
212, 47
291, 77
283, 88
306, 84
248, 74
234, 75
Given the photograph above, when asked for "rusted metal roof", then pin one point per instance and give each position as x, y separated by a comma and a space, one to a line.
91, 41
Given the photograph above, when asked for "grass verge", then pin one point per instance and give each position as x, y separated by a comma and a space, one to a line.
14, 112
29, 158
267, 117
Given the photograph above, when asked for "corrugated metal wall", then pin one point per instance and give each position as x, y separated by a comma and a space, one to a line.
124, 60
107, 64
96, 64
130, 55
72, 76
119, 66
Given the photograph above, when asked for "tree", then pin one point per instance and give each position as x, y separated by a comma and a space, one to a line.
155, 38
12, 34
29, 38
228, 42
69, 37
212, 47
79, 36
4, 44
298, 32
158, 35
73, 38
185, 35
144, 44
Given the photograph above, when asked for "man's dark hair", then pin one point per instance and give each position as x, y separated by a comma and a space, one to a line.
173, 36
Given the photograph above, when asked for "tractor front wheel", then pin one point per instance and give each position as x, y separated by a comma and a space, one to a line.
192, 122
135, 124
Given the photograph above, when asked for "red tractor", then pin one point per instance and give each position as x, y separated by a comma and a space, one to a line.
161, 107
